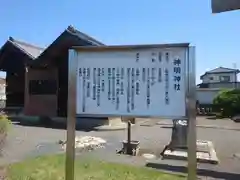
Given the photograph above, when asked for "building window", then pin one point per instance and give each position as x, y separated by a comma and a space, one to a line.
210, 78
204, 85
224, 78
42, 87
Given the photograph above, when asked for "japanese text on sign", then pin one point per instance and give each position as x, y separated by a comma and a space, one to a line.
136, 82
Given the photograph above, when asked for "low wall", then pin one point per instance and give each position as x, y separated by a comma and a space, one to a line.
206, 96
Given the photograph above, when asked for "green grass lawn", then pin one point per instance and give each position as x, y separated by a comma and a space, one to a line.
52, 168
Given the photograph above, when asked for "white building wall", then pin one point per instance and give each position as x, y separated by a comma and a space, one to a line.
216, 77
206, 96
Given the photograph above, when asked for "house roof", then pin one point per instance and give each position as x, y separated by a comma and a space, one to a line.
83, 36
70, 37
34, 51
29, 49
14, 53
221, 70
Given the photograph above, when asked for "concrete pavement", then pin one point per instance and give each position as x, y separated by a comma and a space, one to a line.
25, 142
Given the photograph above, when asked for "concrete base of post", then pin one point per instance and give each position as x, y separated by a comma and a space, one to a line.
205, 153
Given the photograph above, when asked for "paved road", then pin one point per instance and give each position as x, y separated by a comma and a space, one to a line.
27, 141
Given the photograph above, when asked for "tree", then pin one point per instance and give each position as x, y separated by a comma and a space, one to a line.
228, 101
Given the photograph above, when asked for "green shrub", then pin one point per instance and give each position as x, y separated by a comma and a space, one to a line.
5, 123
228, 102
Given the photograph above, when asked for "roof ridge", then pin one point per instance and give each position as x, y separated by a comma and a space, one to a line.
77, 32
229, 68
20, 45
220, 67
25, 43
224, 68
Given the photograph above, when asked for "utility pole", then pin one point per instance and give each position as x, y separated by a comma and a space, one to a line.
219, 6
235, 78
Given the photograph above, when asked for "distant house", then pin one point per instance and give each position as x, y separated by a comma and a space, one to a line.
220, 77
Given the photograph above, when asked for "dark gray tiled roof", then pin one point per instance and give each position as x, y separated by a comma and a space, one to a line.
83, 36
68, 38
29, 49
35, 51
222, 70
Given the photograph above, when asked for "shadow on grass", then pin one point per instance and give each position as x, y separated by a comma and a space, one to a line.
201, 172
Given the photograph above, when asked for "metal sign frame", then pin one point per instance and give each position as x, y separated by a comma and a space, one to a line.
219, 6
190, 94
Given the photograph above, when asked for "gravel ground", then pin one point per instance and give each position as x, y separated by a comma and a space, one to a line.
27, 141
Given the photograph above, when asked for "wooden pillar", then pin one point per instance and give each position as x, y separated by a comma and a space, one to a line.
26, 91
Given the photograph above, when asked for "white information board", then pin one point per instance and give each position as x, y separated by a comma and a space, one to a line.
132, 82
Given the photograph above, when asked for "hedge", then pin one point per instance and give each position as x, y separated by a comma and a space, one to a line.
228, 102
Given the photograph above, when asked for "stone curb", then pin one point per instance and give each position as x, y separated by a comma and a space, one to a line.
218, 127
200, 126
211, 158
118, 127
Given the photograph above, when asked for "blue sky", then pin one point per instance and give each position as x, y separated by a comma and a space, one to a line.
216, 37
